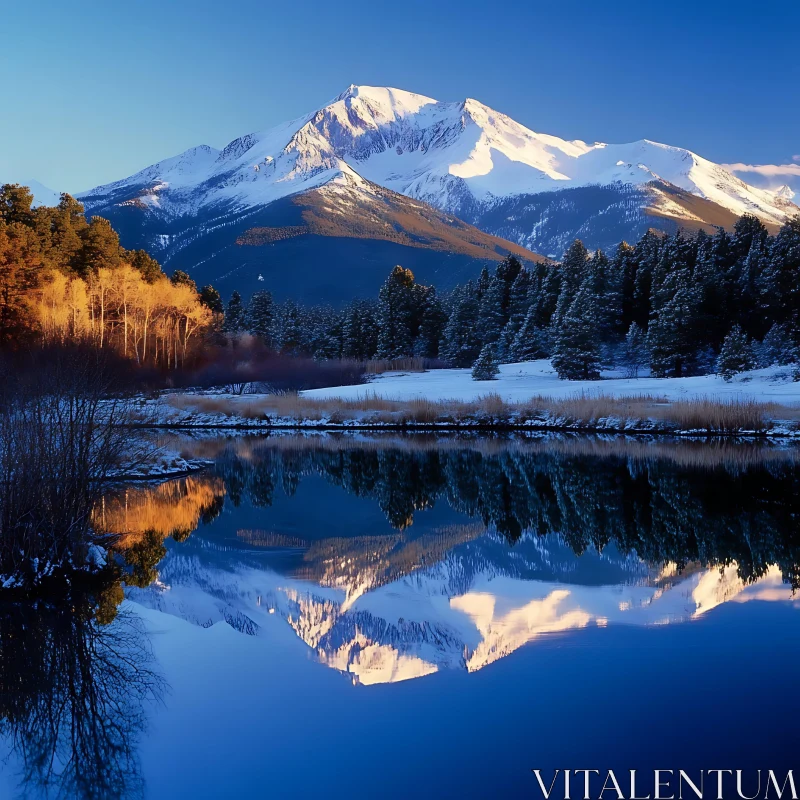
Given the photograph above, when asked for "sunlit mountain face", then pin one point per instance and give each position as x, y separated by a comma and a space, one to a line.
395, 559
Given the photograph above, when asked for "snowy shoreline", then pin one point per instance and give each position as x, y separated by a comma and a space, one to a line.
526, 397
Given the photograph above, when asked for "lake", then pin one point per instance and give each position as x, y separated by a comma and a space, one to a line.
383, 616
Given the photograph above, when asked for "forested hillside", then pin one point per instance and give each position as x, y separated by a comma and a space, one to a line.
63, 278
679, 304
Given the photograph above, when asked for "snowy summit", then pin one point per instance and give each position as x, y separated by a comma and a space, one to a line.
449, 154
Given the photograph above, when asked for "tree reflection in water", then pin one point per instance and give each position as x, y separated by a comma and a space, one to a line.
74, 694
713, 504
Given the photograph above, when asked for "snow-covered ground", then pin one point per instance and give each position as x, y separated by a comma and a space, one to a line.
522, 381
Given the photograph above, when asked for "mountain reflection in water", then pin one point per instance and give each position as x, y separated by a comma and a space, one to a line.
394, 559
391, 559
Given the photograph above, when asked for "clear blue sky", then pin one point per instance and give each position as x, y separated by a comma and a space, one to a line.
91, 92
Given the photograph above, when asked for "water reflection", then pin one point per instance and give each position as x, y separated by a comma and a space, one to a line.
392, 560
73, 697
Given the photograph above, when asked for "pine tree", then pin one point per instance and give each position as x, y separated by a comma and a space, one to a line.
147, 266
671, 337
623, 268
67, 225
484, 279
736, 354
210, 298
646, 256
15, 205
360, 331
520, 298
396, 310
573, 270
776, 348
235, 315
261, 317
507, 272
545, 294
101, 248
781, 279
20, 261
607, 289
431, 325
530, 342
576, 355
491, 318
485, 368
289, 329
747, 230
460, 344
752, 269
328, 341
634, 353
181, 278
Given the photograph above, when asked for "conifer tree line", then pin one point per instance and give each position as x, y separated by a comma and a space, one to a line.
677, 304
63, 278
638, 504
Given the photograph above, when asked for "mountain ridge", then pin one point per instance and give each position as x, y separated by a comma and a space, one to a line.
464, 159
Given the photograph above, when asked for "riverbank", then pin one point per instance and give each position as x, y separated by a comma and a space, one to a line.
645, 414
526, 396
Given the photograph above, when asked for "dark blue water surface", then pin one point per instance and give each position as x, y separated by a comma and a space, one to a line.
423, 618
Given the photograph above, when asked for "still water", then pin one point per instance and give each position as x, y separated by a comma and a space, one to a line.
387, 617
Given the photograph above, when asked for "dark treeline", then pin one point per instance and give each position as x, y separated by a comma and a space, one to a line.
679, 304
662, 510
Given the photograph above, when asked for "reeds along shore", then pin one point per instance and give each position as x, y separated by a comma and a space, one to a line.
642, 412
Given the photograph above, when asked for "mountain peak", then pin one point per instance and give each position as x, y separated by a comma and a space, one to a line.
350, 91
460, 157
398, 101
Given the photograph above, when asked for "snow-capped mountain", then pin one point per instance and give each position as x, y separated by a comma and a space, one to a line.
462, 158
476, 605
42, 195
781, 180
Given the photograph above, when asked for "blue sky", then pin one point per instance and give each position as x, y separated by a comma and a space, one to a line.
94, 91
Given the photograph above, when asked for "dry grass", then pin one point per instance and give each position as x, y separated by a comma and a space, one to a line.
592, 411
380, 365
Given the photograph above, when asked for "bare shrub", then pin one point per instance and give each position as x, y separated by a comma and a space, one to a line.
60, 437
